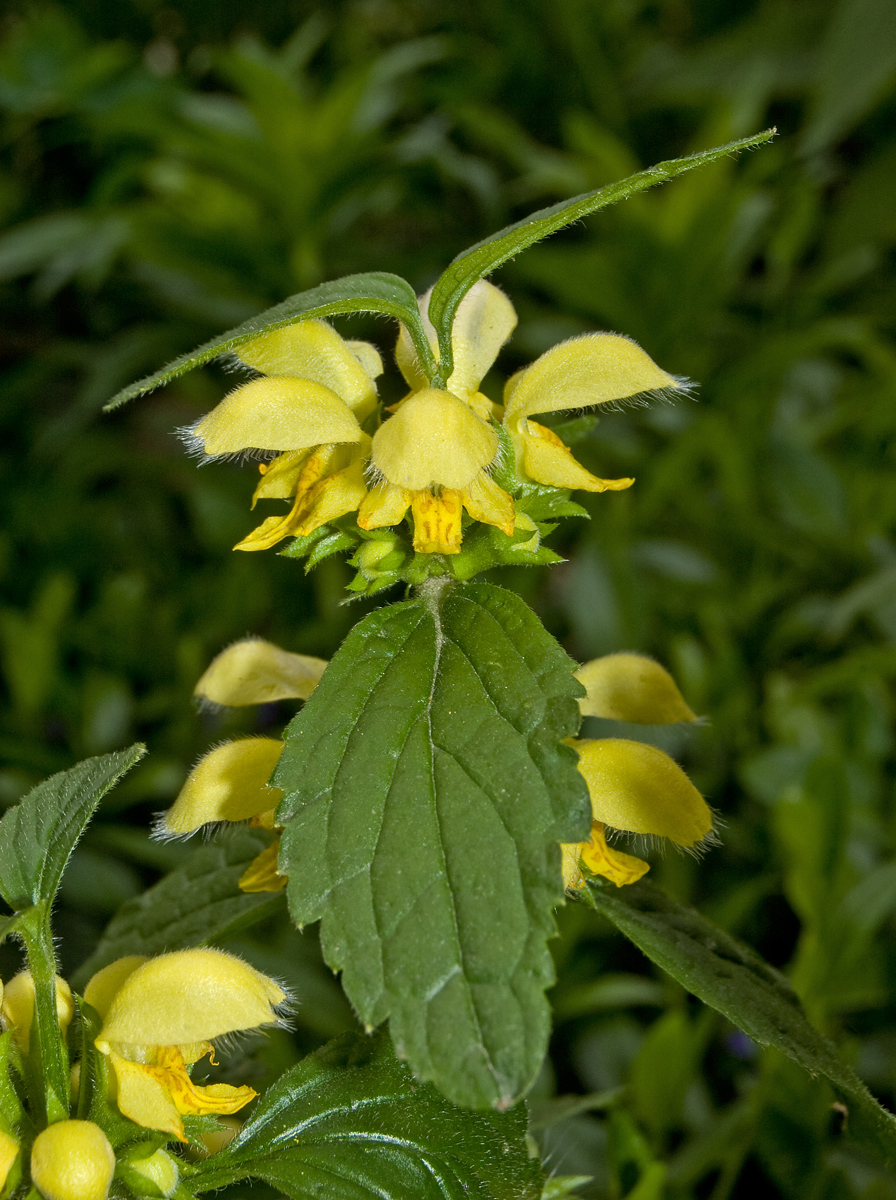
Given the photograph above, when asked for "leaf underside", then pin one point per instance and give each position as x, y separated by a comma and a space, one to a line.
426, 791
39, 833
197, 903
731, 978
352, 1121
373, 291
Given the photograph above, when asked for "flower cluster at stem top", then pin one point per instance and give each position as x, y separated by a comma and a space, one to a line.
314, 406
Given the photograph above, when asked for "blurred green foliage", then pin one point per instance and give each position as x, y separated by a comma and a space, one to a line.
168, 171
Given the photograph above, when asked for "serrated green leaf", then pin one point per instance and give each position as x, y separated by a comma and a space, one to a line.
486, 256
39, 833
351, 1121
373, 291
730, 977
427, 787
195, 904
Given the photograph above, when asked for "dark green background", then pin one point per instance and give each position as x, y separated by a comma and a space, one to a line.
170, 170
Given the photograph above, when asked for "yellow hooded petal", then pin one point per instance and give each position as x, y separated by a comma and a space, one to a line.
103, 986
186, 997
484, 321
631, 687
595, 368
600, 859
228, 784
72, 1160
258, 672
487, 502
433, 440
17, 1008
640, 789
383, 505
547, 460
276, 414
314, 350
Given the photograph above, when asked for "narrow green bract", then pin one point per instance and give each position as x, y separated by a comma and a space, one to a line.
730, 977
427, 788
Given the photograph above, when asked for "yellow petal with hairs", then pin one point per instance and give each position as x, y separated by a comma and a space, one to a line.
186, 997
17, 1009
258, 672
313, 350
143, 1098
276, 414
9, 1152
487, 502
104, 985
545, 458
262, 875
640, 789
228, 784
383, 505
433, 440
600, 859
595, 368
631, 687
72, 1160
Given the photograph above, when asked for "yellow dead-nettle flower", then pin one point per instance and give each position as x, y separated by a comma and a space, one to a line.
257, 672
230, 783
316, 389
160, 1016
634, 788
633, 688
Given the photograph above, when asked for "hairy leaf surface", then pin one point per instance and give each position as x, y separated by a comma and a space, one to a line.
373, 291
38, 834
730, 977
194, 904
352, 1121
426, 789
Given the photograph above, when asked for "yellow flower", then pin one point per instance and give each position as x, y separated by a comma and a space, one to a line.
596, 368
315, 390
159, 1018
258, 672
230, 783
635, 788
17, 1008
633, 688
72, 1160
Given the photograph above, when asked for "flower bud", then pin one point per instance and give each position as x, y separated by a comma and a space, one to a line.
633, 688
154, 1175
17, 1009
72, 1160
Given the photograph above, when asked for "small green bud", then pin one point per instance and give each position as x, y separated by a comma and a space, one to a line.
156, 1175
